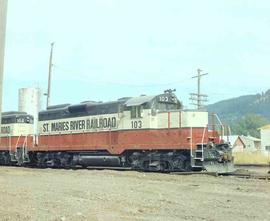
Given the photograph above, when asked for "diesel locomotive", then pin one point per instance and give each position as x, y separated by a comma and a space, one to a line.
146, 133
16, 135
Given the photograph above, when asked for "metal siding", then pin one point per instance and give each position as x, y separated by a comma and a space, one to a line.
162, 119
10, 143
194, 119
116, 142
18, 129
77, 119
124, 121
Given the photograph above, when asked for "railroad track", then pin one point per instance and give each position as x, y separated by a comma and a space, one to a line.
251, 176
215, 174
239, 175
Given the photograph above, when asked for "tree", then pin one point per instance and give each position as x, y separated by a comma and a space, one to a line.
249, 125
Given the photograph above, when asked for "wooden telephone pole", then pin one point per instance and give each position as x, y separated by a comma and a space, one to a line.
198, 97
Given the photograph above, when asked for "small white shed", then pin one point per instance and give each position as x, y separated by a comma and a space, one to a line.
265, 138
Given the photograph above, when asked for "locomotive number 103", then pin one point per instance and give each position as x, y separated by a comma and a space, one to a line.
167, 99
137, 124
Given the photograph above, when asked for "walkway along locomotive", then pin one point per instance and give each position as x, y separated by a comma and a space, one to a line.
148, 133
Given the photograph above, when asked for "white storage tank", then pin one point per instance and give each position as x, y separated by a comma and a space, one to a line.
30, 102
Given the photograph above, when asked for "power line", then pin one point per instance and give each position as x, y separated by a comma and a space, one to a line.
124, 83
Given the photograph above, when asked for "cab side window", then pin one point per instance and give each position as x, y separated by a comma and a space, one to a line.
136, 111
20, 120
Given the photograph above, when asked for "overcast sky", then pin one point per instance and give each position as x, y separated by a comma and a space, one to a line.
106, 49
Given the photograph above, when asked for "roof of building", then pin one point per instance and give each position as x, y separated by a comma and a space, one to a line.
265, 127
253, 138
232, 138
248, 141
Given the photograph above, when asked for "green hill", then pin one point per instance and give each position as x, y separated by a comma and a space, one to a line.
236, 108
242, 110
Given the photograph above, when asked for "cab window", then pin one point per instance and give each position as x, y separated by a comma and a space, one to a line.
167, 106
20, 120
136, 112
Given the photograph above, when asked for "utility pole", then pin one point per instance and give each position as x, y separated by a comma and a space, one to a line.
198, 97
3, 21
48, 94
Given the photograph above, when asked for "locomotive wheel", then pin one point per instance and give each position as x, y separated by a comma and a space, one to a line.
187, 165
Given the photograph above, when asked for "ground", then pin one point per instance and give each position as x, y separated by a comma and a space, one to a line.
64, 195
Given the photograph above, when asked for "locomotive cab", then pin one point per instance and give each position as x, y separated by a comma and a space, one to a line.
166, 102
16, 124
160, 103
16, 136
143, 112
188, 129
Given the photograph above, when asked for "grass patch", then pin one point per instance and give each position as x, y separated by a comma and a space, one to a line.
256, 158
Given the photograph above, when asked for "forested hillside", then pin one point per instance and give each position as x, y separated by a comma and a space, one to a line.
244, 114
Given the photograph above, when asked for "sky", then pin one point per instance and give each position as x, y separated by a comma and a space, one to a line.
107, 49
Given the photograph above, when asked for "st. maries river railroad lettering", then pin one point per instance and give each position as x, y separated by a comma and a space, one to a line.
84, 124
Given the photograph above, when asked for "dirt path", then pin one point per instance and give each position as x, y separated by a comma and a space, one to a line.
47, 195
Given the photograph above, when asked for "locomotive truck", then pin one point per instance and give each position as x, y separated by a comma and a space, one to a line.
146, 133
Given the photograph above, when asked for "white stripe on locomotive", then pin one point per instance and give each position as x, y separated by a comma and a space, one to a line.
123, 121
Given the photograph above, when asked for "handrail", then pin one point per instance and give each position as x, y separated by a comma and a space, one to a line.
9, 143
221, 124
204, 131
17, 142
229, 133
191, 142
24, 145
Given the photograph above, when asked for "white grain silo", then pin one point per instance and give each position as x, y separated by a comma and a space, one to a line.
30, 102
